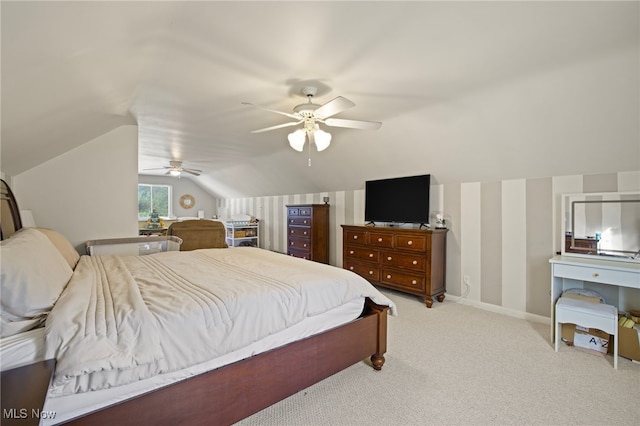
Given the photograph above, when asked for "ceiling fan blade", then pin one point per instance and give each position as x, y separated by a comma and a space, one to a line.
158, 168
193, 171
272, 110
279, 126
333, 107
353, 124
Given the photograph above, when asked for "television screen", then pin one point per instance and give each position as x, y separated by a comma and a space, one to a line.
400, 200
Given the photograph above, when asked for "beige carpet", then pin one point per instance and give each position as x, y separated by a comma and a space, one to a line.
459, 365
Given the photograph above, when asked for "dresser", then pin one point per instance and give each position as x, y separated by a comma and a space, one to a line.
308, 231
409, 260
580, 245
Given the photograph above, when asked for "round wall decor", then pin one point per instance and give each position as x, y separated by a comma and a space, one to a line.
187, 201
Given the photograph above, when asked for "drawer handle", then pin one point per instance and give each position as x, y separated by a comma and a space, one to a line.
351, 268
389, 258
304, 233
389, 276
410, 243
370, 254
596, 275
415, 262
414, 282
305, 222
304, 245
291, 243
370, 272
380, 239
292, 231
350, 251
355, 237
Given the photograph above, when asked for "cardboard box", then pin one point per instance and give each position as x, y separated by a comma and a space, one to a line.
628, 346
569, 330
591, 339
628, 343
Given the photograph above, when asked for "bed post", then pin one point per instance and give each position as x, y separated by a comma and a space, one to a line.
377, 359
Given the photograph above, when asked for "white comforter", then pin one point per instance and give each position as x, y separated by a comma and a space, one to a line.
123, 319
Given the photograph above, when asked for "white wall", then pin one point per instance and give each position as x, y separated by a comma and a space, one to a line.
87, 193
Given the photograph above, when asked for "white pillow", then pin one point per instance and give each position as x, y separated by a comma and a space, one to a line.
62, 245
32, 277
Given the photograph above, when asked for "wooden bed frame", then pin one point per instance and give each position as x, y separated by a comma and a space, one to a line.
231, 393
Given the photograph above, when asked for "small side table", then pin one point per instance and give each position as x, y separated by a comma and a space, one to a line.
24, 390
152, 231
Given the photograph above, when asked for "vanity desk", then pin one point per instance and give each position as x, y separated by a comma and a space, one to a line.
618, 282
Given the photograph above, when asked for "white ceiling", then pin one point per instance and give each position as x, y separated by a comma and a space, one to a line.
461, 87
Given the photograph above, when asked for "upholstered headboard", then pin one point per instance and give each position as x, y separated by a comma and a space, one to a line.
10, 221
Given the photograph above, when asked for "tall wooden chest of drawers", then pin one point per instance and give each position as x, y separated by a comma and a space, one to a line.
408, 260
308, 231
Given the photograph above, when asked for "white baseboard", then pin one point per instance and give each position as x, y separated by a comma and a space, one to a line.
500, 310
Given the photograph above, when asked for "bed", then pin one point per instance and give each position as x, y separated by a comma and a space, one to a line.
134, 362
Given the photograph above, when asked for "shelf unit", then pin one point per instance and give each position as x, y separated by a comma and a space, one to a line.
242, 233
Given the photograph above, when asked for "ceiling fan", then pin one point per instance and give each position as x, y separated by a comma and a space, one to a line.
175, 169
310, 115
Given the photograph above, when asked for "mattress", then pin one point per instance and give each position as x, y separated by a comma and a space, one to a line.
22, 349
70, 406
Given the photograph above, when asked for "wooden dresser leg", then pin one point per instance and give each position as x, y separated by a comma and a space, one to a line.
440, 298
428, 301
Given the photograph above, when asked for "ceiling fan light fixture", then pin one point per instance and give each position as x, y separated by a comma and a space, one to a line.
175, 173
322, 139
296, 139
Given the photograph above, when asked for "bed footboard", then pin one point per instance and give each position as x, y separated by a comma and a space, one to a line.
229, 394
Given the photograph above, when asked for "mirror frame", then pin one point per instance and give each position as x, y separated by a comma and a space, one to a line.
587, 246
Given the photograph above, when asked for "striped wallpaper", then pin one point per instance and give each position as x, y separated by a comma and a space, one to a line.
501, 235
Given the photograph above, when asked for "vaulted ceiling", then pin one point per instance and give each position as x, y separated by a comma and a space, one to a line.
467, 91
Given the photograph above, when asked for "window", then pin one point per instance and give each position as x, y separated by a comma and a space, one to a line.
154, 197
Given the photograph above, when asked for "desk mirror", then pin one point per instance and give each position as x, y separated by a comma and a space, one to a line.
606, 225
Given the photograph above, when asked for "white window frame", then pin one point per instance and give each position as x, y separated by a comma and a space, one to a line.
169, 201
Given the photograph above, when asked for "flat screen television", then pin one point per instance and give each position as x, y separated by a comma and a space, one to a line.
398, 200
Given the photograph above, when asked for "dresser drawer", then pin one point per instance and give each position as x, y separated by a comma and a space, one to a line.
368, 271
380, 239
304, 211
302, 254
300, 243
362, 253
293, 211
405, 280
301, 232
403, 260
299, 221
411, 242
355, 237
597, 275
